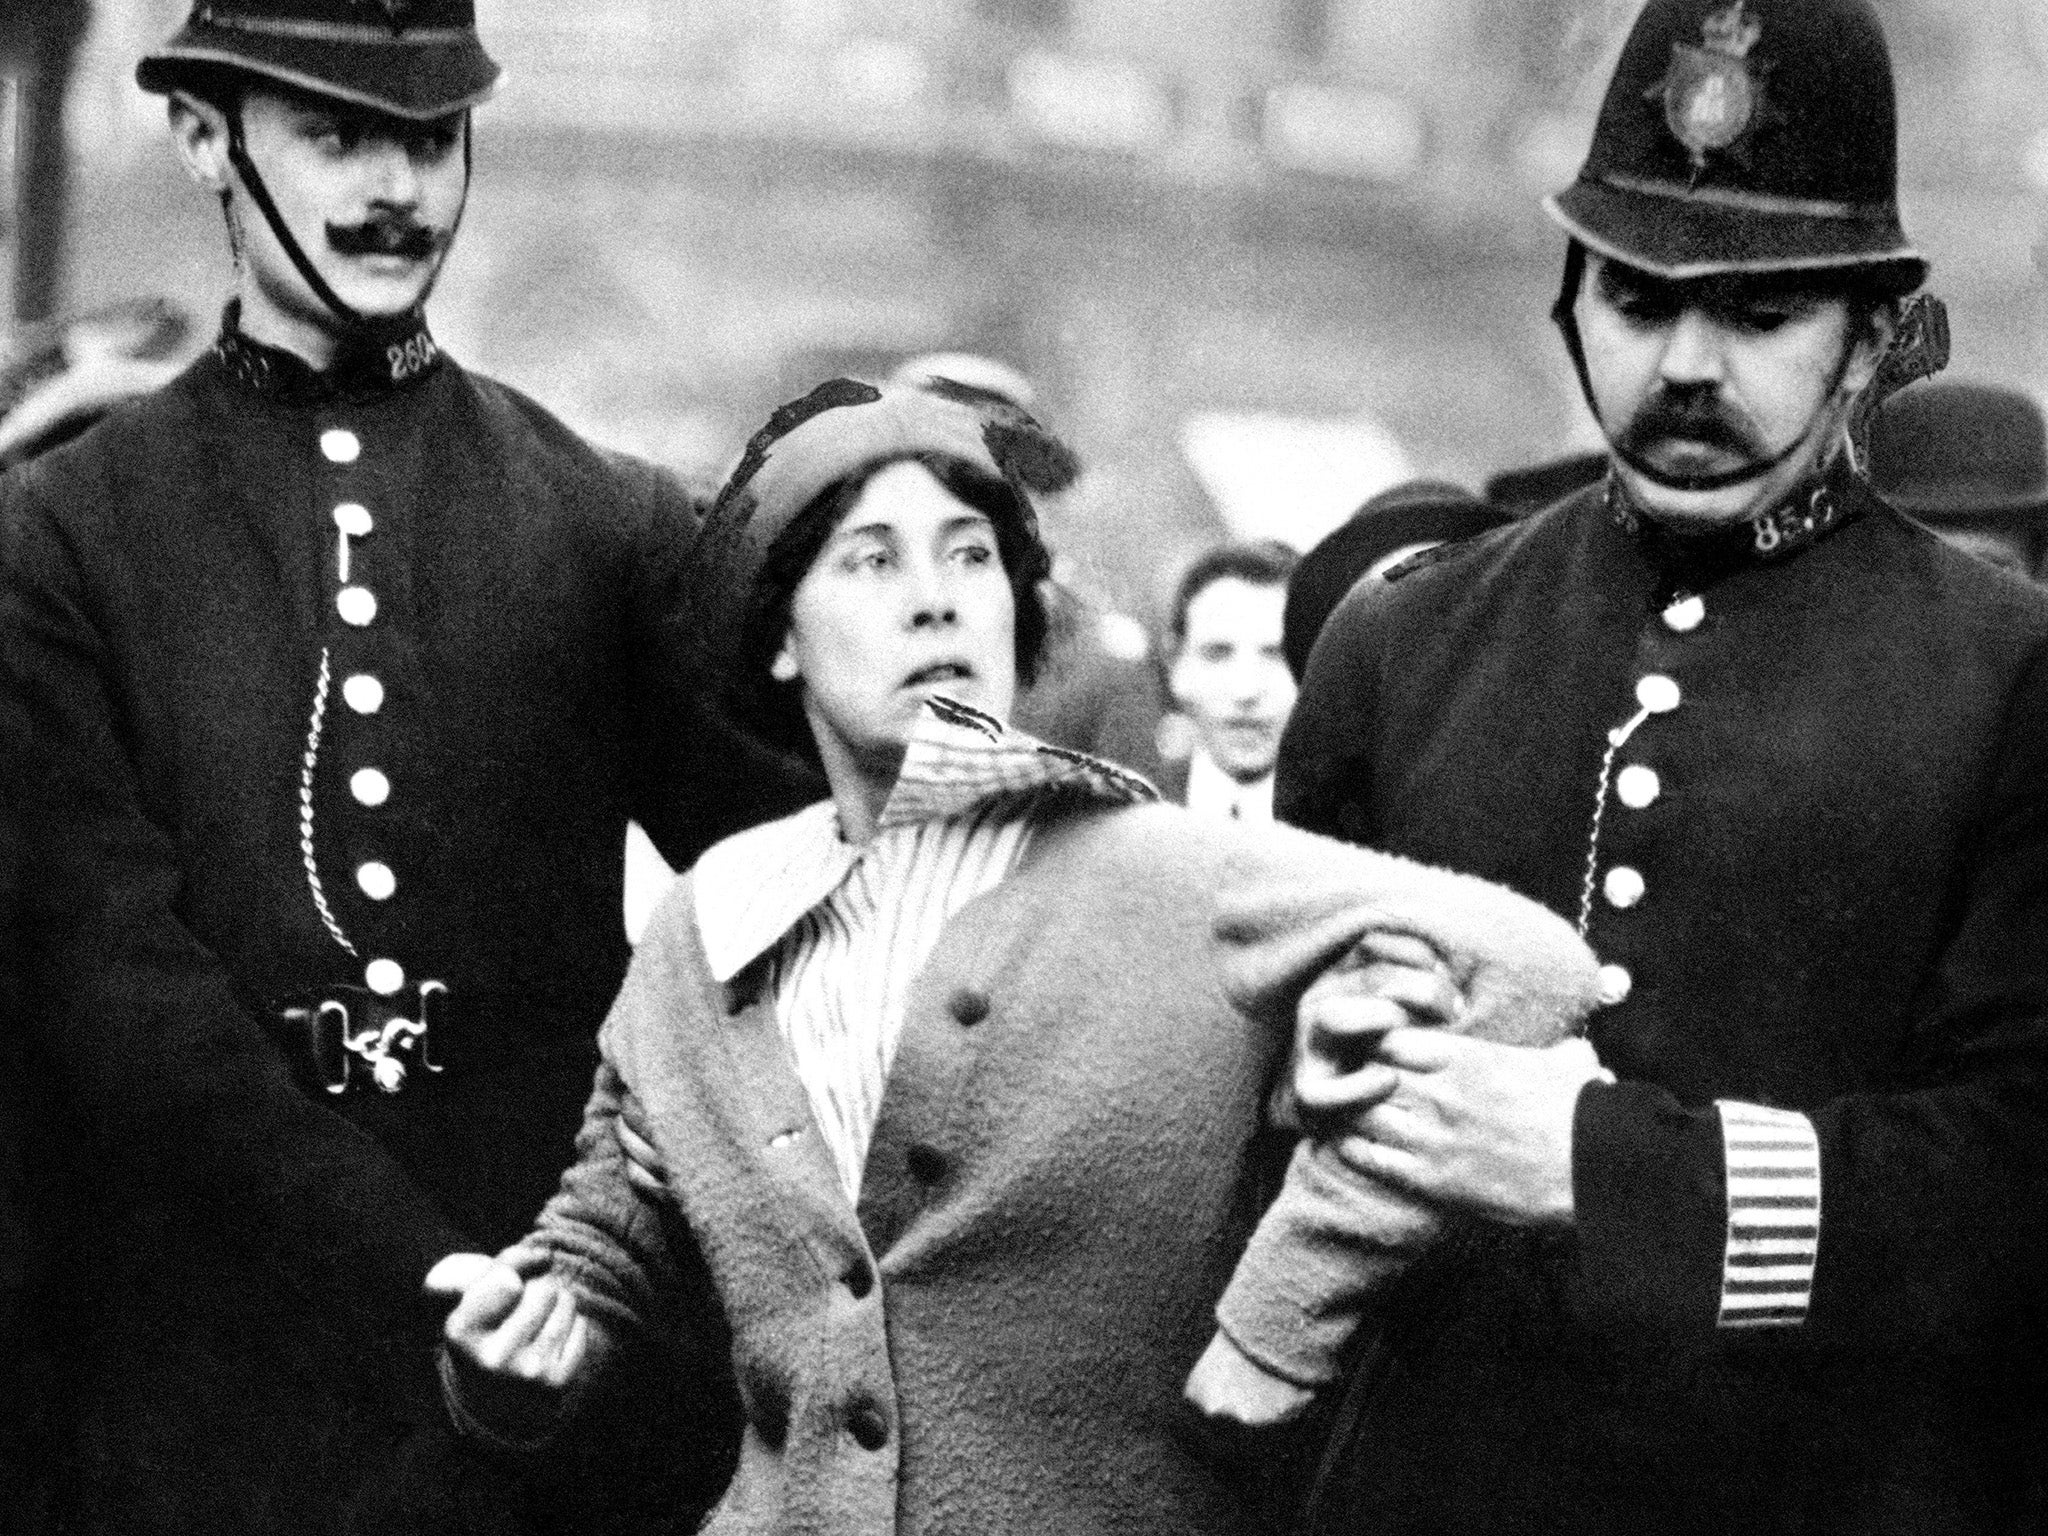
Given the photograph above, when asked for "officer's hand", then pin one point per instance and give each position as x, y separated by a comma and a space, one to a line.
518, 1342
1480, 1127
1386, 982
646, 1168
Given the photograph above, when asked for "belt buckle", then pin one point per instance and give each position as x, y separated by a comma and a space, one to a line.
354, 1031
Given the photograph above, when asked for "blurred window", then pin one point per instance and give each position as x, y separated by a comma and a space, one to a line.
9, 132
1027, 15
1308, 28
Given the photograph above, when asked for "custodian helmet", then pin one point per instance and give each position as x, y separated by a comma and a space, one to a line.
1747, 136
416, 59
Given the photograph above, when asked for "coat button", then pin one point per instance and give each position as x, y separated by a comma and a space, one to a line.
927, 1164
1685, 615
969, 1006
869, 1428
377, 880
364, 693
860, 1279
1638, 787
1624, 887
369, 786
1658, 694
338, 445
384, 977
353, 519
356, 605
1615, 984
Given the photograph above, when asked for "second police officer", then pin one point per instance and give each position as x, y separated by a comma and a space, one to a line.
1783, 756
349, 667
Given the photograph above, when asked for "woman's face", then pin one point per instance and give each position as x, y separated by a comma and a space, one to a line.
908, 598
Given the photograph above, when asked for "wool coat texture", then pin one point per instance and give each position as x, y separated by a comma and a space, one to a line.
1834, 901
1067, 1162
249, 1351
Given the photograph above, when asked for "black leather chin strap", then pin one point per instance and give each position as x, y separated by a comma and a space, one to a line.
1564, 315
350, 317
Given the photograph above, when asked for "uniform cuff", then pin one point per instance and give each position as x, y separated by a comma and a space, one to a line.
1773, 1162
468, 1424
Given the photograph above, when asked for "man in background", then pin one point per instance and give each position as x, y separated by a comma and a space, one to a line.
1399, 523
1971, 462
1227, 674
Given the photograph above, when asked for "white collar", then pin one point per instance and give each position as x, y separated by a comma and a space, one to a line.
755, 886
1212, 792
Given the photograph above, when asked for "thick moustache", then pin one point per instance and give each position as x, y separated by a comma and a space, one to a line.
386, 237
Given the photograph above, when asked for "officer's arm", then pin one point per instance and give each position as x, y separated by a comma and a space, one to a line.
695, 779
1926, 1224
183, 1092
1325, 752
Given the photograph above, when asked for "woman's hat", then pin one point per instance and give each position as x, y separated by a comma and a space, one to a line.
417, 59
837, 430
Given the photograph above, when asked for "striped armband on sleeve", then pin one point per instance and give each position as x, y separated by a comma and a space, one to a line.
1773, 1159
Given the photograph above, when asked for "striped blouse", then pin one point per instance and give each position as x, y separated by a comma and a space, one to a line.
846, 929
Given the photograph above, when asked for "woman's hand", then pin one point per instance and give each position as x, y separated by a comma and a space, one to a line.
1383, 983
517, 1341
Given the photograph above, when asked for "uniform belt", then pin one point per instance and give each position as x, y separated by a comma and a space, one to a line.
344, 1039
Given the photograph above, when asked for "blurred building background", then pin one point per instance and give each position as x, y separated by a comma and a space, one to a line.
1260, 256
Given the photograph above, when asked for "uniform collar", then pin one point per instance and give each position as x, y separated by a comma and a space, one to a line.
753, 888
398, 356
1816, 509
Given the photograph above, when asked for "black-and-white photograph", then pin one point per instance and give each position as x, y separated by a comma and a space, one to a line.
1024, 768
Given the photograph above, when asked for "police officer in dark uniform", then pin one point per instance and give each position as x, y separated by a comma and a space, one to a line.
346, 669
1773, 1263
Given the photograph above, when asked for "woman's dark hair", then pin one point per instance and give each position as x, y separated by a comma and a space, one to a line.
773, 710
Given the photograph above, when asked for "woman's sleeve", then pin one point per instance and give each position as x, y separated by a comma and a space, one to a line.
602, 1235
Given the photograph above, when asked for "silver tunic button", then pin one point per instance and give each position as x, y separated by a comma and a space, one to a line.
377, 881
369, 786
1615, 984
1624, 887
1638, 787
1658, 694
384, 977
353, 519
338, 445
1685, 615
364, 693
356, 605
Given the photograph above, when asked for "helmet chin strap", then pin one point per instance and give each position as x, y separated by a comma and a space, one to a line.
1563, 314
351, 319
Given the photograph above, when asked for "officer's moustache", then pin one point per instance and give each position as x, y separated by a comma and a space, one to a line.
385, 237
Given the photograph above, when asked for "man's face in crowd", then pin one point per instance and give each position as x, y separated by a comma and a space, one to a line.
1230, 677
373, 200
1707, 377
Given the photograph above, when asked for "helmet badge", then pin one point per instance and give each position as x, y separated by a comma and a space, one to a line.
397, 14
1711, 96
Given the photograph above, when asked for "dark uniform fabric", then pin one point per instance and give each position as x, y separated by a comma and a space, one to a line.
259, 1357
1843, 911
